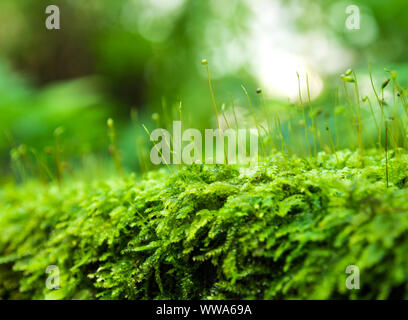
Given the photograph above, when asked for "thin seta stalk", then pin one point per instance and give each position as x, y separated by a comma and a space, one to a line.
386, 153
233, 112
399, 94
332, 143
58, 154
236, 123
256, 122
204, 62
366, 98
350, 77
112, 147
260, 92
304, 117
314, 122
283, 143
359, 119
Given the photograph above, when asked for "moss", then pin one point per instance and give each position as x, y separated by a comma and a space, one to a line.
287, 229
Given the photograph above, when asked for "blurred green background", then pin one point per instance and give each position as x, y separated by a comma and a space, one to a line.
128, 59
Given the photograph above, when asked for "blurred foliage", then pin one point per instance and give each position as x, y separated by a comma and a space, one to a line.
382, 36
128, 59
141, 52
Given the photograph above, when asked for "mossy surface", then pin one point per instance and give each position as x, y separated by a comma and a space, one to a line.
285, 230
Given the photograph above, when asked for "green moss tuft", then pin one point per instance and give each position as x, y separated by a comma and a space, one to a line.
285, 230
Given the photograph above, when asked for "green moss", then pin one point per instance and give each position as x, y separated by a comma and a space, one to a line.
287, 229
